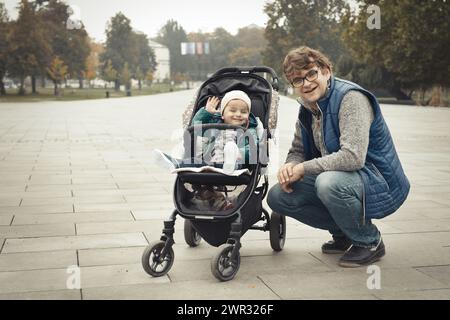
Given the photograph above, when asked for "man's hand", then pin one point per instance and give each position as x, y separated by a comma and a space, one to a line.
211, 104
285, 172
288, 174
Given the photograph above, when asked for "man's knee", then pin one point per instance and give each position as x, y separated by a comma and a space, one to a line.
326, 184
273, 197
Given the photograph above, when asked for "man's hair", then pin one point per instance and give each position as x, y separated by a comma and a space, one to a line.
304, 58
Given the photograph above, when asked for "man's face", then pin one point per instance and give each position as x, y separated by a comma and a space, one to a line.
236, 113
312, 91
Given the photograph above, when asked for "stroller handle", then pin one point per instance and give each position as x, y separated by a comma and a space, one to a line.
206, 126
262, 69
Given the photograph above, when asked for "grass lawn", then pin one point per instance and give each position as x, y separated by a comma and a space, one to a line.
69, 94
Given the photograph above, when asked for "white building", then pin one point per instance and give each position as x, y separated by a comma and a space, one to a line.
162, 57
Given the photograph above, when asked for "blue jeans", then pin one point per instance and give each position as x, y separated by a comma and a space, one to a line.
330, 201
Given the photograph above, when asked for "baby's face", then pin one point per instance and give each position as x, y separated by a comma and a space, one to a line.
236, 113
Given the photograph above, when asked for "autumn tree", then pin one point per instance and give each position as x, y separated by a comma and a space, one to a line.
70, 43
93, 61
149, 78
57, 71
109, 74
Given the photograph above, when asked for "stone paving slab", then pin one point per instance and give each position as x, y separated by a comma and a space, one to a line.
433, 294
45, 194
330, 285
33, 280
74, 242
440, 273
98, 207
43, 295
422, 225
72, 217
10, 201
125, 192
93, 180
247, 289
86, 228
117, 275
37, 209
72, 200
43, 230
5, 220
165, 198
49, 180
37, 260
110, 256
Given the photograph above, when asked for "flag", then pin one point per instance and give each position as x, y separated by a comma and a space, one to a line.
183, 48
191, 48
206, 49
199, 48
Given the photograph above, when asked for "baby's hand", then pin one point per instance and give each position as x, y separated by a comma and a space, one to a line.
211, 104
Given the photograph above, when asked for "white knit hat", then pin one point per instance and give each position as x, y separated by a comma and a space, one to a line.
235, 95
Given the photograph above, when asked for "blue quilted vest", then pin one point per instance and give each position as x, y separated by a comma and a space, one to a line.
385, 183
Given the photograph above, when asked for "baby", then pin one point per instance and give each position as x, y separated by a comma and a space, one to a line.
235, 110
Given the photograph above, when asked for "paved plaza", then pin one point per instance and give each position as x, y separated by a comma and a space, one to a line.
78, 189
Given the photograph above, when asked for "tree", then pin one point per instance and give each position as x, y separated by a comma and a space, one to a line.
412, 44
251, 43
143, 57
294, 23
245, 57
119, 44
251, 37
69, 43
79, 50
139, 76
4, 45
222, 44
109, 74
149, 78
30, 47
57, 72
172, 35
92, 61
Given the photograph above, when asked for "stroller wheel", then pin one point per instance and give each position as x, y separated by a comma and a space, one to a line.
154, 263
191, 235
277, 231
222, 267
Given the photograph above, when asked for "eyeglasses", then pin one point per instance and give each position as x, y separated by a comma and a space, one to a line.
310, 76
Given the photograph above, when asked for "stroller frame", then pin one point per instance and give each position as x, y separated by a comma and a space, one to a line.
158, 257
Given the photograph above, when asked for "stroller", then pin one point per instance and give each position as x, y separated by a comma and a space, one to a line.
224, 229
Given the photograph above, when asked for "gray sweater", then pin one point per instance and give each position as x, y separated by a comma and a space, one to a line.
355, 118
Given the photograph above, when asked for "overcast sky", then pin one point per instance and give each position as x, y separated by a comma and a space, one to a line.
149, 16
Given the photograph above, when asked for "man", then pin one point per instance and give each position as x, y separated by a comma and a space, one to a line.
342, 169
